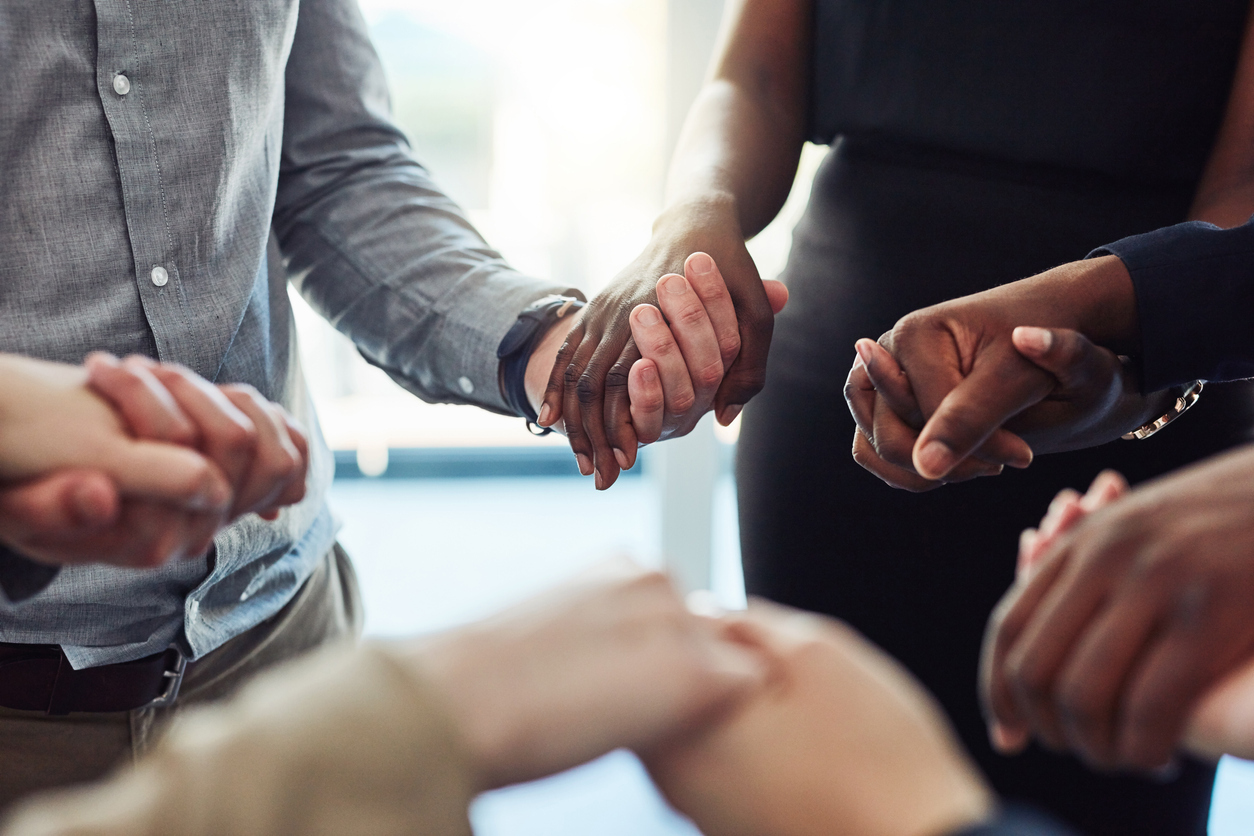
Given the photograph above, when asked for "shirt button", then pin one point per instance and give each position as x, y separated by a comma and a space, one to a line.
121, 84
466, 385
159, 276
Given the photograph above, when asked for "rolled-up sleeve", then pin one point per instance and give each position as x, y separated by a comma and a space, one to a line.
370, 240
1194, 287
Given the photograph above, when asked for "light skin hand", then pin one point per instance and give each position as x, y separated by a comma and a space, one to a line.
1126, 619
611, 660
262, 450
688, 345
110, 497
841, 740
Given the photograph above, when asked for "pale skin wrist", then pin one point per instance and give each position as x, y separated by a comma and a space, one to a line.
539, 367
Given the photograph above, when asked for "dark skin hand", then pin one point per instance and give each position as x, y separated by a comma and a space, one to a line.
976, 368
961, 389
1126, 618
732, 170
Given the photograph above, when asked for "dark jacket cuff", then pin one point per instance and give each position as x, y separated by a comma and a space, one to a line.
1194, 287
21, 577
1017, 821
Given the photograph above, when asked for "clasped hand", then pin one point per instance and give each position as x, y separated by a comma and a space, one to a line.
136, 463
962, 389
646, 360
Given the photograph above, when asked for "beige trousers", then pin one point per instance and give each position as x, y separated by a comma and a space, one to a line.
39, 752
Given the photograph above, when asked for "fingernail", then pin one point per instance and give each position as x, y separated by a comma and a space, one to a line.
701, 264
729, 414
621, 458
649, 373
864, 352
648, 315
585, 464
545, 411
88, 509
673, 283
934, 459
1035, 340
999, 737
599, 481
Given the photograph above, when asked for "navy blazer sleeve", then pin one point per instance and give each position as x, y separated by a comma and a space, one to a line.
1195, 301
1017, 821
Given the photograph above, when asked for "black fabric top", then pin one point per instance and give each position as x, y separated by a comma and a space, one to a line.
1017, 821
1194, 287
1133, 89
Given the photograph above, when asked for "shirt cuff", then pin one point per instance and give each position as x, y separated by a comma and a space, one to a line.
1014, 820
21, 577
1194, 285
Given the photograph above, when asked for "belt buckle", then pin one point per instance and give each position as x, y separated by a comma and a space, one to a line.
173, 681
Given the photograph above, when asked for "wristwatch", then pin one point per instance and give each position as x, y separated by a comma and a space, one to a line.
1184, 401
520, 342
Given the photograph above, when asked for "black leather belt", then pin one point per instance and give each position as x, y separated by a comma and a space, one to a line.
38, 677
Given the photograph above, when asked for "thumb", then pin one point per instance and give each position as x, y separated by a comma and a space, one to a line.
1067, 355
63, 503
776, 294
170, 474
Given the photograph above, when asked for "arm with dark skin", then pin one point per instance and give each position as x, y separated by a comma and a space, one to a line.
732, 171
957, 393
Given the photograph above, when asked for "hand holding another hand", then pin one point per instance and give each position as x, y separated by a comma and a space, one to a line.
680, 343
1130, 608
963, 388
841, 740
613, 659
106, 464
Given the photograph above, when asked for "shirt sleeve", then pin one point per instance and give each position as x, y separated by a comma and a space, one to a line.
22, 578
371, 241
1194, 287
345, 741
1017, 821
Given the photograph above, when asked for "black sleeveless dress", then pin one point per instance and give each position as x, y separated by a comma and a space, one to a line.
975, 142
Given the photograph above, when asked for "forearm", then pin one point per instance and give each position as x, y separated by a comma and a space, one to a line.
739, 147
343, 741
372, 241
1225, 195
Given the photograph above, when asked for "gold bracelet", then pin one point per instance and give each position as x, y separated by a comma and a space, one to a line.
1182, 405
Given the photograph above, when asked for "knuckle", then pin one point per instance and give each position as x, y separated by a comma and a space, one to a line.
1028, 677
729, 346
239, 436
616, 378
660, 343
1080, 705
588, 389
709, 376
683, 402
690, 315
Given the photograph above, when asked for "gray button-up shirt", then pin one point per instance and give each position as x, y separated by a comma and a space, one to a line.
167, 167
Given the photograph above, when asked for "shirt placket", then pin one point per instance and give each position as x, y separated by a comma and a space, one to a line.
127, 65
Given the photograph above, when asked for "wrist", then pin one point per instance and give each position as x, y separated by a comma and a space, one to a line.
540, 364
1095, 297
710, 209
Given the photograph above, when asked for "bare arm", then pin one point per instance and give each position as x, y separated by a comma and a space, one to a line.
1225, 196
731, 173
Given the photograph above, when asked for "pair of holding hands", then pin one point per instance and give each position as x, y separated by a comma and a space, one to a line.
1138, 604
770, 720
134, 462
644, 361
